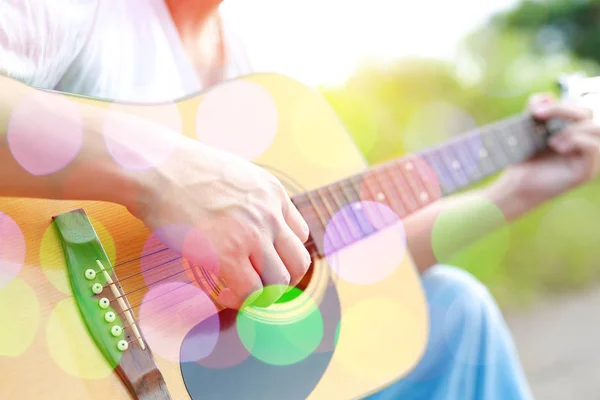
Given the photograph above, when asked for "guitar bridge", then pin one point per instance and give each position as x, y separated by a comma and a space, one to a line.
104, 308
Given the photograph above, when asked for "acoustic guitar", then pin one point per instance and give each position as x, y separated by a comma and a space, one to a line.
94, 306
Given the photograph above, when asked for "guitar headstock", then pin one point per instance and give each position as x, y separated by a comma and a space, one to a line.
582, 89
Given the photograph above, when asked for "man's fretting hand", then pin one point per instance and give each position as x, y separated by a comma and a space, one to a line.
573, 157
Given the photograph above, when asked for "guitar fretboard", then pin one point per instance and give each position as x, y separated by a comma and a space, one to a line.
346, 211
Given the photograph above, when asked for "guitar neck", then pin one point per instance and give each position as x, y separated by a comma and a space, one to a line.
402, 186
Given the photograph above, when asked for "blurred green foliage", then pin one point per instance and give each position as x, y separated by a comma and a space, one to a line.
519, 52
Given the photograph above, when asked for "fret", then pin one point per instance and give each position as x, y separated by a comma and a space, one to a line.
509, 142
352, 200
455, 167
367, 193
380, 195
406, 187
411, 186
514, 142
335, 199
408, 169
495, 148
485, 162
353, 195
311, 207
425, 174
469, 163
370, 216
315, 221
330, 239
446, 183
403, 198
523, 131
349, 190
393, 194
372, 221
334, 226
345, 212
444, 162
332, 204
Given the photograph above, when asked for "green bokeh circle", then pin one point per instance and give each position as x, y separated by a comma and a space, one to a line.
278, 342
479, 224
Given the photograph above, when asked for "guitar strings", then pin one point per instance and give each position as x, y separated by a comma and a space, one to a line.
309, 242
152, 284
130, 308
142, 271
137, 321
515, 123
307, 199
170, 277
298, 201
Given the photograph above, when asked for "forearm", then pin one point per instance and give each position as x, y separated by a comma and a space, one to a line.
438, 232
53, 147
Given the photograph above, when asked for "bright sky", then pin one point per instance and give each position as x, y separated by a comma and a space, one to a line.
322, 41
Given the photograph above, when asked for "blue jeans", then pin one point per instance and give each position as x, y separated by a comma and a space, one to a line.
470, 354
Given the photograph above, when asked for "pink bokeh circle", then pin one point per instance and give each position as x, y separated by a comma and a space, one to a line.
141, 138
239, 117
169, 312
12, 249
45, 133
379, 251
170, 251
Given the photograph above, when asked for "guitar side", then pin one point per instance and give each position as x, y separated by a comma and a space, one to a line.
384, 325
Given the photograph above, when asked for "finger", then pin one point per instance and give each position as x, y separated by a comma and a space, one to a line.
294, 255
566, 142
241, 278
584, 143
540, 98
229, 300
562, 110
295, 220
273, 273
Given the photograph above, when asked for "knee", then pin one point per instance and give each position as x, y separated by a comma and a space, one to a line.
466, 326
462, 295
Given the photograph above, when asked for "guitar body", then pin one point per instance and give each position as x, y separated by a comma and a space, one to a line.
374, 332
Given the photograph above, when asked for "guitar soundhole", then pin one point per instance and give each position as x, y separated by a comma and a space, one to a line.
271, 367
302, 285
271, 354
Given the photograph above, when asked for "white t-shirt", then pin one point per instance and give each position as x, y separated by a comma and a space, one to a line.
123, 50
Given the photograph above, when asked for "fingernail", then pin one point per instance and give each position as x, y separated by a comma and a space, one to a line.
289, 288
305, 229
252, 298
544, 99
